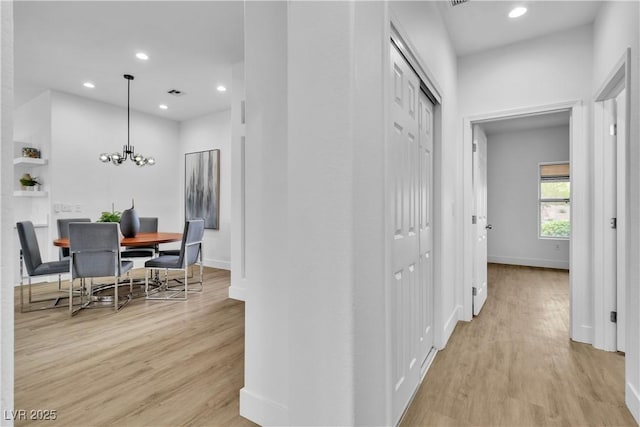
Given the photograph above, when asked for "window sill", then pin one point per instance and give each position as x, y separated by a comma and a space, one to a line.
554, 238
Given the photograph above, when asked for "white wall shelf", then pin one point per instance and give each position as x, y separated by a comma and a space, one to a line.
28, 161
22, 193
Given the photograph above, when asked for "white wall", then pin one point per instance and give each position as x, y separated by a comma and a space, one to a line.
615, 29
32, 126
548, 70
210, 132
430, 42
513, 209
81, 130
7, 232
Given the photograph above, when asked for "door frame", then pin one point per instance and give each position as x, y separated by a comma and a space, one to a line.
605, 332
580, 222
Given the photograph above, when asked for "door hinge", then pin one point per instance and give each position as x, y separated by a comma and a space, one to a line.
475, 291
614, 223
613, 129
474, 219
475, 147
613, 316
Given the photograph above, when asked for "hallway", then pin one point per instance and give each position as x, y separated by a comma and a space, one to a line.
514, 365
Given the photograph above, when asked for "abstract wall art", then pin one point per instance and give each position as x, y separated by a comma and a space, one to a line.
202, 187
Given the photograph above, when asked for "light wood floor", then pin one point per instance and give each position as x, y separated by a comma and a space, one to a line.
514, 365
154, 363
175, 363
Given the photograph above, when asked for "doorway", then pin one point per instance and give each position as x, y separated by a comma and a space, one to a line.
580, 302
522, 194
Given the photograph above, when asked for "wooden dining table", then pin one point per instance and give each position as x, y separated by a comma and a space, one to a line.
140, 239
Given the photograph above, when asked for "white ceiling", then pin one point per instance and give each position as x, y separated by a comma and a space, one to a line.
479, 25
191, 47
518, 124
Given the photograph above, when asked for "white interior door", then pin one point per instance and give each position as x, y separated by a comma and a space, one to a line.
480, 219
410, 151
425, 109
620, 165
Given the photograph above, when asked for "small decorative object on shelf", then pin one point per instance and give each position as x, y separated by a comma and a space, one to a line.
30, 152
130, 222
27, 182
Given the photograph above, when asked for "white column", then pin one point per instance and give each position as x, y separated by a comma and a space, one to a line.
7, 234
264, 398
239, 279
316, 349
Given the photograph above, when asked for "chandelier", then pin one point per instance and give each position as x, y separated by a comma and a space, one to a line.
127, 150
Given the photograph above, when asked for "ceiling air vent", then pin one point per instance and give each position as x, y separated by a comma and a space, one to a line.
457, 2
175, 92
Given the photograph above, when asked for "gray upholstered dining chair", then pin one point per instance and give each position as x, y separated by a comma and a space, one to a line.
147, 225
63, 233
31, 259
95, 252
190, 253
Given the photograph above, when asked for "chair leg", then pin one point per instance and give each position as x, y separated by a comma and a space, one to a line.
116, 301
186, 285
22, 292
71, 297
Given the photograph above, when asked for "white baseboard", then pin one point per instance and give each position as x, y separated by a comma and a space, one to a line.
237, 293
449, 326
262, 411
632, 399
529, 262
583, 334
215, 263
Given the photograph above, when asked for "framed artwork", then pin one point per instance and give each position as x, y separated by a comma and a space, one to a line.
202, 187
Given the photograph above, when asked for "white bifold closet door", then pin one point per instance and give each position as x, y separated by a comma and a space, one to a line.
411, 209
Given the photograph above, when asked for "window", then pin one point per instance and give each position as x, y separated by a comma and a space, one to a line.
554, 201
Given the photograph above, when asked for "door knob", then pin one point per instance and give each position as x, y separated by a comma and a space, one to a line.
489, 227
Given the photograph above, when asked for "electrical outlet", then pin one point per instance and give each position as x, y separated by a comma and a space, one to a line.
66, 207
557, 246
78, 207
57, 207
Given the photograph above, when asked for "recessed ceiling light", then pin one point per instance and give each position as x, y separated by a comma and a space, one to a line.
142, 55
221, 88
89, 85
163, 107
517, 12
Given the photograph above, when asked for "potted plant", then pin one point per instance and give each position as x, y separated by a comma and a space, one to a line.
28, 182
109, 217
